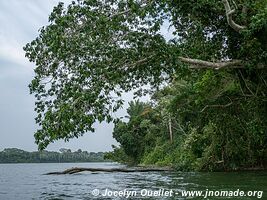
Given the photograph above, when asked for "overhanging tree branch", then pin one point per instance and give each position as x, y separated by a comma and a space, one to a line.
229, 15
201, 64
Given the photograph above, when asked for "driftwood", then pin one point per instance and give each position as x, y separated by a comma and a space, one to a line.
125, 170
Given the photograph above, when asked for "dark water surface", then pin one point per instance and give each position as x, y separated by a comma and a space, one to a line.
26, 181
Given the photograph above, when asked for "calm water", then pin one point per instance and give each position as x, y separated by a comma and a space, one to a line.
25, 181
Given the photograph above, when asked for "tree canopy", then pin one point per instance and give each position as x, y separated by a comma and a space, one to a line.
14, 155
92, 51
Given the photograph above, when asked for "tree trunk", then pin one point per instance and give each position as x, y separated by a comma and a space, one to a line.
78, 169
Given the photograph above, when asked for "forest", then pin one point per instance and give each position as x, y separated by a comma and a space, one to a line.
202, 63
14, 155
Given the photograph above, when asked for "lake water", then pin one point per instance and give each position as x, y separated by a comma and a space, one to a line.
26, 181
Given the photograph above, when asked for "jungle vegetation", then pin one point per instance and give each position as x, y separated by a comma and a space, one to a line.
14, 155
208, 82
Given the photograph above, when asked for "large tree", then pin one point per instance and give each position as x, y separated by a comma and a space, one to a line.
93, 50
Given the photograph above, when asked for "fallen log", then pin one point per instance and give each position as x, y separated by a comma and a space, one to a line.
125, 170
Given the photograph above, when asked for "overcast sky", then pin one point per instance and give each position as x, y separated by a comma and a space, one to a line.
19, 22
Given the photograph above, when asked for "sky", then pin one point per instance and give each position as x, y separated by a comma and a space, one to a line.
20, 22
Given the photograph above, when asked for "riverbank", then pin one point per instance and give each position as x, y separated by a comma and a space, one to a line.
171, 167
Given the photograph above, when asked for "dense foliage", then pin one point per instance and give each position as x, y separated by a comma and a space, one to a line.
213, 70
214, 137
13, 155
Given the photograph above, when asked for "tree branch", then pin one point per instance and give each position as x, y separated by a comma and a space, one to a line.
220, 106
170, 129
145, 2
139, 62
245, 83
229, 15
125, 170
201, 64
119, 13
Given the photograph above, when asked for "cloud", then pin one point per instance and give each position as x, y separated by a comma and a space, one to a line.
12, 51
20, 21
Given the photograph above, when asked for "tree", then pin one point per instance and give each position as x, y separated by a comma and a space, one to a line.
79, 151
93, 51
13, 155
134, 135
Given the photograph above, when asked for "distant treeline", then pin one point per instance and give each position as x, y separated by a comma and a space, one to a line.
14, 155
